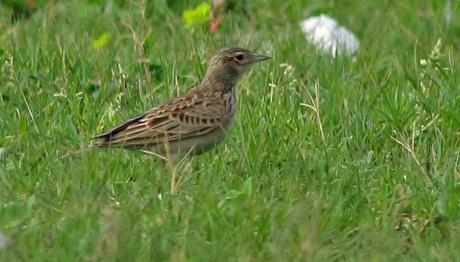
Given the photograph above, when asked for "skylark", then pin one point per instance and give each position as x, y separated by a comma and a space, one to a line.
194, 122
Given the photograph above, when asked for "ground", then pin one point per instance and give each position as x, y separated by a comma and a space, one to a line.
354, 158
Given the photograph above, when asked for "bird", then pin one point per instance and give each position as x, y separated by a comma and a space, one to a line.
192, 123
20, 8
218, 7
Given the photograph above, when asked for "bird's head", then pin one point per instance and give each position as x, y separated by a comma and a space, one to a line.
231, 63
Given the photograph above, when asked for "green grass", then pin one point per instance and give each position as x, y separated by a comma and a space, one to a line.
373, 176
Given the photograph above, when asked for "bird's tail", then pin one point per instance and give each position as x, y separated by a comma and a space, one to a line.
78, 151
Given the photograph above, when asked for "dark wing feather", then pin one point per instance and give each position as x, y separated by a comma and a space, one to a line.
106, 137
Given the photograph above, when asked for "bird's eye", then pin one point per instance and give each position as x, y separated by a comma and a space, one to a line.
239, 57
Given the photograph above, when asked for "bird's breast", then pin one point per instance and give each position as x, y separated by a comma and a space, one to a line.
229, 102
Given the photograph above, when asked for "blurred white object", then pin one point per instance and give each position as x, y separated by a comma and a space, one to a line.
448, 11
327, 35
4, 242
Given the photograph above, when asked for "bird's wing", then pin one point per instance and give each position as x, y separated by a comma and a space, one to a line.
187, 116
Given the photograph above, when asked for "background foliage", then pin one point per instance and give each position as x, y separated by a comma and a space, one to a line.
353, 158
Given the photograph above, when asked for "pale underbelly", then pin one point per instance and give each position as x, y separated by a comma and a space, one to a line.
191, 146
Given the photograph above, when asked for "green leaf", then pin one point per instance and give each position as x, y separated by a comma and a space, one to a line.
101, 41
198, 15
247, 187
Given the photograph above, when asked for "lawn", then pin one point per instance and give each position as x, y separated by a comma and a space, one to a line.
353, 158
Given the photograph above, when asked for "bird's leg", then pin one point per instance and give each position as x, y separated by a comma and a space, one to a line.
174, 161
148, 152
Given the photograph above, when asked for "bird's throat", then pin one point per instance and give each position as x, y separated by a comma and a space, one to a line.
221, 80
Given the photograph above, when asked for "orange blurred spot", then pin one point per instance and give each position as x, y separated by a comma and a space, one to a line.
215, 24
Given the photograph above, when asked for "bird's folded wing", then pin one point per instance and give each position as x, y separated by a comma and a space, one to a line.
167, 124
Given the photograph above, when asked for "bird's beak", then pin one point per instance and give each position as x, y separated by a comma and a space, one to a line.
259, 58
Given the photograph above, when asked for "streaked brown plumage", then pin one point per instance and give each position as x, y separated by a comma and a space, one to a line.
194, 122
